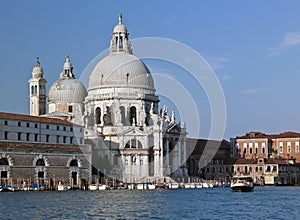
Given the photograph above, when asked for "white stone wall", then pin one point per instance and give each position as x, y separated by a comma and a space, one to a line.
34, 131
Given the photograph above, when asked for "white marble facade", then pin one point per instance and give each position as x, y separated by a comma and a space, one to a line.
131, 139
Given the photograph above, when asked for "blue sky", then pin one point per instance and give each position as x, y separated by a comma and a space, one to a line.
252, 46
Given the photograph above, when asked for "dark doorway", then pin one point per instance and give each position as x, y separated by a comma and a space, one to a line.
74, 178
3, 174
41, 177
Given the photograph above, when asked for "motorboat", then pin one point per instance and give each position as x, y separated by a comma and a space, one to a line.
242, 184
199, 185
151, 186
93, 187
61, 187
102, 187
173, 185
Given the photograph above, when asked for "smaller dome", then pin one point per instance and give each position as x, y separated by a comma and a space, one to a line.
120, 28
67, 90
67, 64
37, 71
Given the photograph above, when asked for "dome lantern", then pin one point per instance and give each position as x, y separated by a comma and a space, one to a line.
37, 71
67, 70
119, 41
121, 69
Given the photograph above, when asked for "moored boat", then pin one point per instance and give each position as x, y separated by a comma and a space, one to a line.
102, 187
93, 187
199, 185
242, 184
173, 185
151, 186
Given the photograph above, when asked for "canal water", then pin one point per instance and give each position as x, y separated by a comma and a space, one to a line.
216, 203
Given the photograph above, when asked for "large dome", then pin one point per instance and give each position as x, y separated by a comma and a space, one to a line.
67, 90
120, 70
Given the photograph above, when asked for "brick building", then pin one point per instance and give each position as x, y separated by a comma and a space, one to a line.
260, 145
268, 158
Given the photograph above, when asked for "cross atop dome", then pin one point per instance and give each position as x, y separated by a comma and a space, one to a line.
120, 18
119, 41
37, 62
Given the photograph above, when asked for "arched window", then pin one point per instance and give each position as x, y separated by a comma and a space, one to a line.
4, 162
74, 163
133, 143
98, 115
127, 77
32, 90
107, 110
40, 162
35, 90
132, 115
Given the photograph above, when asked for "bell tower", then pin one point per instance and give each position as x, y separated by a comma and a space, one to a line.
37, 91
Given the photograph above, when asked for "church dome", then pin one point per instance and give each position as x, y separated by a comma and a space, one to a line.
121, 70
67, 89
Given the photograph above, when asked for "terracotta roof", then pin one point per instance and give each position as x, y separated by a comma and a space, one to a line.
198, 145
4, 115
254, 135
275, 161
245, 161
42, 147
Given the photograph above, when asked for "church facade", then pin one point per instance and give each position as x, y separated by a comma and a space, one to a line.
132, 140
117, 117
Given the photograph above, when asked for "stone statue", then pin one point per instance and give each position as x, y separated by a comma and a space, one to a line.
173, 117
151, 109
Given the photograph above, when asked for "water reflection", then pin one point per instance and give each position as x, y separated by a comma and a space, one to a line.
263, 203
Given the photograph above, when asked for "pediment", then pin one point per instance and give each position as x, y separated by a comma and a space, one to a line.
132, 132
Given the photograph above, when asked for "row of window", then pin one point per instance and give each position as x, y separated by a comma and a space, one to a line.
35, 125
263, 151
34, 90
221, 169
133, 162
35, 138
289, 148
39, 162
268, 169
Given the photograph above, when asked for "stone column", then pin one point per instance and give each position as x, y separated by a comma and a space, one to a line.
180, 157
167, 165
185, 173
123, 167
156, 163
175, 160
146, 165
